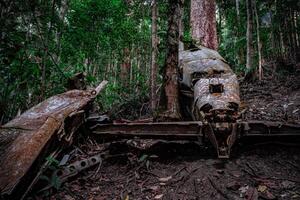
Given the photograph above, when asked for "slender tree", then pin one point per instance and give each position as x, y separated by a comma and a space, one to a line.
239, 34
249, 57
203, 23
154, 40
260, 72
125, 67
237, 7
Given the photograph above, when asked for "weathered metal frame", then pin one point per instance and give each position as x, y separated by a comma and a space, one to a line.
192, 130
162, 129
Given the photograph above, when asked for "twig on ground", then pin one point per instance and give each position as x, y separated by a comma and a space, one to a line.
217, 188
185, 178
196, 190
150, 173
251, 168
249, 173
180, 170
98, 169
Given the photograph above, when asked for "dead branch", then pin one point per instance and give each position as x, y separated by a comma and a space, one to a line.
100, 87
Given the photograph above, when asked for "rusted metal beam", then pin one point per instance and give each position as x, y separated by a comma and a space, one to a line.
191, 130
269, 129
158, 130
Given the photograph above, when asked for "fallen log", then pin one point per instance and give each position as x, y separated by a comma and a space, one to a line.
25, 140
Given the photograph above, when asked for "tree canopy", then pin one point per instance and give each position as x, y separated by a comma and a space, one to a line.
43, 43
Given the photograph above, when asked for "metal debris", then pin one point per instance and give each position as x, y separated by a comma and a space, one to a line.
29, 136
74, 168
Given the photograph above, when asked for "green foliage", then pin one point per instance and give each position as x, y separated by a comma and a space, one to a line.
275, 28
143, 158
43, 43
52, 161
50, 179
65, 37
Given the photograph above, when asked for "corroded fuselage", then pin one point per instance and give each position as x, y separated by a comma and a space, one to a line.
214, 93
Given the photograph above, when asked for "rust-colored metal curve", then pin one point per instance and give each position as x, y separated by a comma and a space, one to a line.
23, 138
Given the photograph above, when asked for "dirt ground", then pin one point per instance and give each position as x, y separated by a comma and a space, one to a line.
185, 171
164, 170
273, 99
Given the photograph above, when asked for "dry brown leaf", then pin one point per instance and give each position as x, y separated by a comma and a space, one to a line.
159, 196
165, 179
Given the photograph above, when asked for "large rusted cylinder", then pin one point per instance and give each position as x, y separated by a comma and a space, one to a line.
216, 96
214, 85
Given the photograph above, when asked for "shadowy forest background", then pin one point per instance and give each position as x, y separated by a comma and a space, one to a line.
45, 42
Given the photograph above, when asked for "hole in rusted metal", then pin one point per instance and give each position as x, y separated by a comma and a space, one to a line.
83, 164
233, 106
206, 108
216, 88
59, 173
198, 75
219, 72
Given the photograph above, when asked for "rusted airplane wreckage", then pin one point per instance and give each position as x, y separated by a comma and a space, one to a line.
210, 99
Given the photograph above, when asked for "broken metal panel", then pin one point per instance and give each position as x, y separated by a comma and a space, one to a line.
199, 53
198, 69
23, 138
202, 63
228, 97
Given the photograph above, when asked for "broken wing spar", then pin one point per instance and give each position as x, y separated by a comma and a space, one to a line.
26, 137
192, 130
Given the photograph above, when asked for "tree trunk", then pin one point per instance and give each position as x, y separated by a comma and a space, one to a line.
169, 98
125, 67
249, 58
61, 14
293, 34
219, 22
43, 85
272, 35
240, 51
237, 7
296, 28
203, 23
154, 55
260, 72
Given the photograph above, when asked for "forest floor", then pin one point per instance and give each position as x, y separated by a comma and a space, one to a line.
275, 98
145, 169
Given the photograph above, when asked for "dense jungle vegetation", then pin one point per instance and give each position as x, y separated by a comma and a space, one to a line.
43, 43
